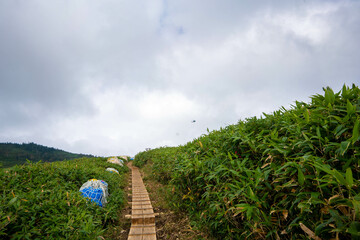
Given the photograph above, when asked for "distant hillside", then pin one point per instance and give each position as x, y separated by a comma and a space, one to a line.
13, 153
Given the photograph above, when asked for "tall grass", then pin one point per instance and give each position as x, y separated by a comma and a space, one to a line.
283, 176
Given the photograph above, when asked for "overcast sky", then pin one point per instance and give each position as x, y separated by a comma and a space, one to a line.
114, 77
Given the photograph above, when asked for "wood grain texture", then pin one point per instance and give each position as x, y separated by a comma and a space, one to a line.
142, 213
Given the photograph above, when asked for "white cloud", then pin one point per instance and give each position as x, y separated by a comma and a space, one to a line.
162, 105
311, 24
115, 77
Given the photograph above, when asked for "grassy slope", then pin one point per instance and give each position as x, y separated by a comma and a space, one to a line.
270, 177
42, 200
13, 153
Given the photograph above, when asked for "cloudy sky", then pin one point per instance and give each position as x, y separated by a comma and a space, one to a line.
114, 77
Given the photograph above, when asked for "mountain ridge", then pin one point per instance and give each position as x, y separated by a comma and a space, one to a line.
15, 153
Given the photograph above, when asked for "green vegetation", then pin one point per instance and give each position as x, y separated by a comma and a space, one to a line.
42, 200
282, 176
13, 153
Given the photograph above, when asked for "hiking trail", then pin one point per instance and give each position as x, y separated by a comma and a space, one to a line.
142, 213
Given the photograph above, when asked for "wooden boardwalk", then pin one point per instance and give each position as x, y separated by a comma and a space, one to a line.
142, 213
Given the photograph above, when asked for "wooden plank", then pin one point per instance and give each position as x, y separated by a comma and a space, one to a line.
135, 237
142, 213
148, 237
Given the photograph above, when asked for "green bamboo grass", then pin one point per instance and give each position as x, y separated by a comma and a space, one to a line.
42, 200
265, 177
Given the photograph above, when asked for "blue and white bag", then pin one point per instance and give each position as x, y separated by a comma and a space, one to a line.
112, 170
96, 190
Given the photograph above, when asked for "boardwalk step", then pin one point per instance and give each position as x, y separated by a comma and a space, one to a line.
142, 213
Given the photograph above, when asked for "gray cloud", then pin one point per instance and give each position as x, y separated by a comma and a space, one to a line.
114, 77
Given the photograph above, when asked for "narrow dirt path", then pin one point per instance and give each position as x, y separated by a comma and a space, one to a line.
170, 225
142, 213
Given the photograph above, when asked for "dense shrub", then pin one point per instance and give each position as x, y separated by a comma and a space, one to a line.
273, 176
42, 200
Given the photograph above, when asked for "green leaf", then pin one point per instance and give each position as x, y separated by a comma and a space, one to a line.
356, 205
329, 96
355, 134
354, 230
229, 155
341, 132
339, 177
252, 195
349, 177
344, 146
333, 172
301, 177
306, 115
13, 200
306, 137
322, 227
318, 133
344, 92
350, 108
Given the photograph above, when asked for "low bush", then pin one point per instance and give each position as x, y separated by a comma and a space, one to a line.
42, 200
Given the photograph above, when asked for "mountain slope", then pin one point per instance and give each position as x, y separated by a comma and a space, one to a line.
13, 153
288, 175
